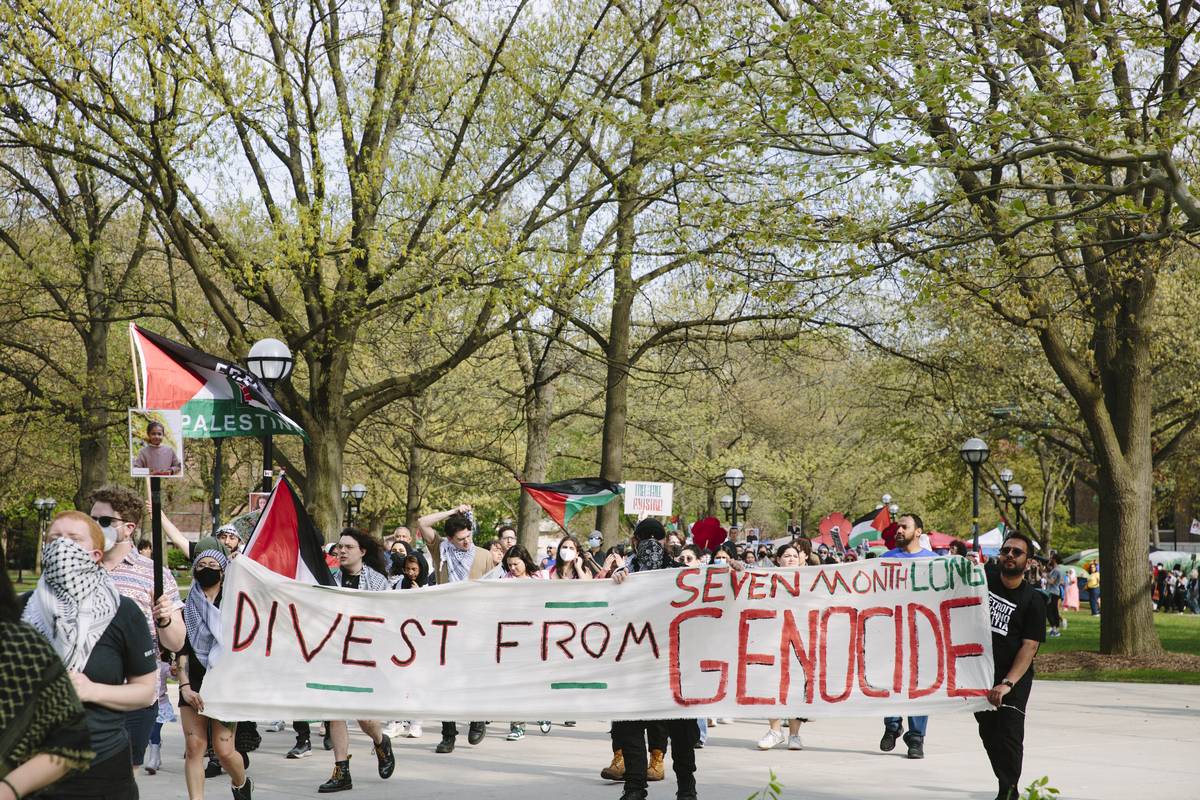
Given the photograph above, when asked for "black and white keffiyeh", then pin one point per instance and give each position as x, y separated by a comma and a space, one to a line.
73, 603
650, 555
203, 619
458, 562
371, 580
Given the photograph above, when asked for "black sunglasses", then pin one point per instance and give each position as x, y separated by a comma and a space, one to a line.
1015, 551
104, 522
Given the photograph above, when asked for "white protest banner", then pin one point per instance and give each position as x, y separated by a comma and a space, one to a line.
646, 499
874, 638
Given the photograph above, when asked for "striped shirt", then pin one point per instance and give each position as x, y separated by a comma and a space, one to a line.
134, 577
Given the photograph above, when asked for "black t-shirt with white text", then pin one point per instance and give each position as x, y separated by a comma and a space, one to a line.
1016, 615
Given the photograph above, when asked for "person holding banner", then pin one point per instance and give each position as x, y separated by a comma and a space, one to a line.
629, 735
909, 530
788, 555
202, 616
362, 564
1018, 616
455, 558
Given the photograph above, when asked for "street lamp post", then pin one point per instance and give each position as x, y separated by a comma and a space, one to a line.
974, 451
1016, 495
271, 361
353, 496
45, 507
734, 478
1006, 478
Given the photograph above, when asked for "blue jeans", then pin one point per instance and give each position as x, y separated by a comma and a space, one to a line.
916, 727
703, 723
1094, 600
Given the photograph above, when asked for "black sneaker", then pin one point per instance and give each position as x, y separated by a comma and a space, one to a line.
339, 781
387, 759
888, 743
213, 768
916, 749
446, 745
475, 734
244, 792
303, 749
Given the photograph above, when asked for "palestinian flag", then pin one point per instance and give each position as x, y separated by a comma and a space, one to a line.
216, 398
564, 499
868, 527
286, 541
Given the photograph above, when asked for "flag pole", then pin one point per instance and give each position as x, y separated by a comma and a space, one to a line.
216, 501
153, 485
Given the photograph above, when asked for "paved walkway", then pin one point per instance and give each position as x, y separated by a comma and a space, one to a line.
1094, 740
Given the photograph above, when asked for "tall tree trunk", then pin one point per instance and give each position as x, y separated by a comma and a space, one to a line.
323, 457
412, 492
616, 384
94, 419
539, 405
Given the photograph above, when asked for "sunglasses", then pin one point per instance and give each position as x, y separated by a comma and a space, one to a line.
104, 522
1011, 551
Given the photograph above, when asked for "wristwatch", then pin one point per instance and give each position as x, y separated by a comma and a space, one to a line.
1007, 683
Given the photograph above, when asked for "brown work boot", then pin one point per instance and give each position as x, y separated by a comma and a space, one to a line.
655, 770
616, 770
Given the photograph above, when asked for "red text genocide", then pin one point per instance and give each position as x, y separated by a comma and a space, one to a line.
810, 653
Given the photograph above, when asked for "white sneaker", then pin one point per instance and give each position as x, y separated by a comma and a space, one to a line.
712, 723
276, 726
414, 730
726, 720
794, 743
153, 758
395, 730
771, 739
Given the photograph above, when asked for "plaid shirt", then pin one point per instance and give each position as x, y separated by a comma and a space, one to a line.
134, 577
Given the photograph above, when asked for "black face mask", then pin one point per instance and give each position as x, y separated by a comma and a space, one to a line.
207, 577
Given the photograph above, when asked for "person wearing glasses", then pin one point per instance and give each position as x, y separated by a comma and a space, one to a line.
118, 511
1018, 617
909, 529
362, 564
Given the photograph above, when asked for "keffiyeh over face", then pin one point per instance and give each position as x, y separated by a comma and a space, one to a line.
650, 555
73, 603
203, 619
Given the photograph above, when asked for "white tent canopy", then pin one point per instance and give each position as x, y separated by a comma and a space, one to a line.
995, 537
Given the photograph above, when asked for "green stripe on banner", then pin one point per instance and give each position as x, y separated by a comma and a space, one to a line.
333, 687
578, 685
586, 604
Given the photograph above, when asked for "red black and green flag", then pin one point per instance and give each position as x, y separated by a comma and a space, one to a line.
286, 541
564, 499
216, 398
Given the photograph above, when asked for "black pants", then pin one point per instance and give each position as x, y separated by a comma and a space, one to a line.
110, 779
138, 724
1003, 734
450, 730
1052, 610
656, 735
303, 731
630, 737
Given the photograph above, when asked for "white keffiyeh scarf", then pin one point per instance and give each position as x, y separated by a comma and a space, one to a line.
458, 562
73, 603
202, 617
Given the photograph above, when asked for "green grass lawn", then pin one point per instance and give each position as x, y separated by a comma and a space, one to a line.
1180, 633
29, 581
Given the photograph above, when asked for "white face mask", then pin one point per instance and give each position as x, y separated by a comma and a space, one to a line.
110, 537
566, 555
